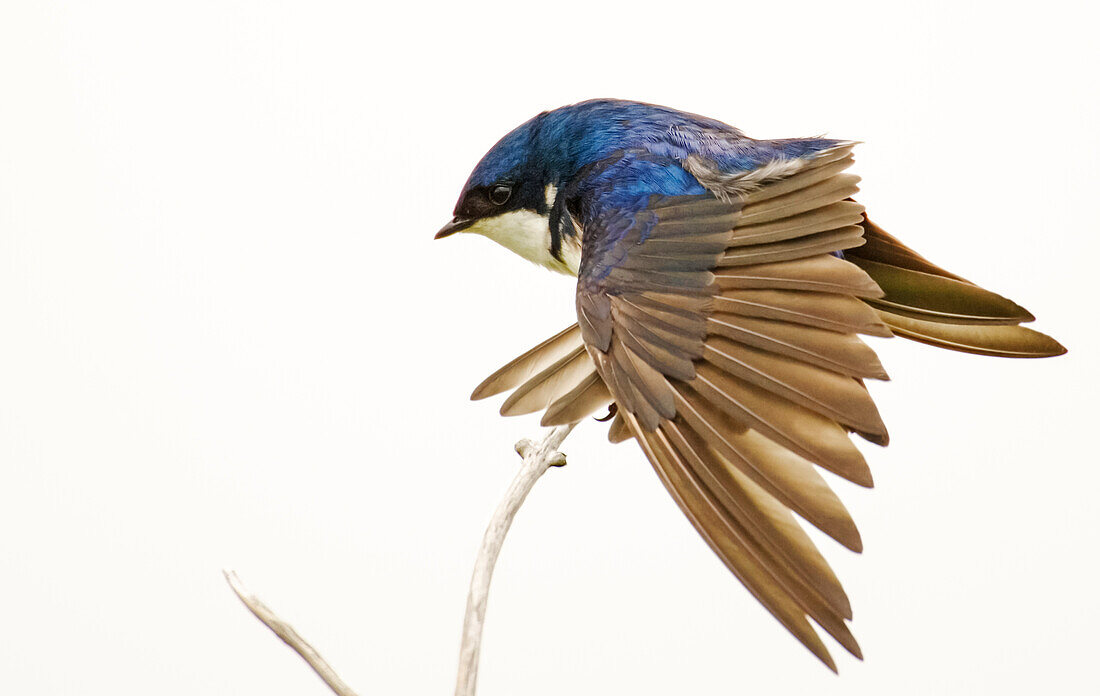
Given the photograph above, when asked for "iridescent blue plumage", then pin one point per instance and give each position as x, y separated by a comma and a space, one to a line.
556, 144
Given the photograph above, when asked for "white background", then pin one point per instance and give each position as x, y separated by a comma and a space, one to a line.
227, 338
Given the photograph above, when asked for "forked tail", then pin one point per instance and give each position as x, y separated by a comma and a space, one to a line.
925, 303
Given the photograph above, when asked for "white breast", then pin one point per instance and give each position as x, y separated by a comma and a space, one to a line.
528, 234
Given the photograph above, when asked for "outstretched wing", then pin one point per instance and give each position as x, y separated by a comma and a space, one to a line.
726, 331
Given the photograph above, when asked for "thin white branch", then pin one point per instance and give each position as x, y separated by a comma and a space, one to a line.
537, 458
288, 635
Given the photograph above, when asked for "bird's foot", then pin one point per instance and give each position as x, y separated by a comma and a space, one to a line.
611, 411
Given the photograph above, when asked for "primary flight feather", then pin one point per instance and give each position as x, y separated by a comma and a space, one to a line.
722, 285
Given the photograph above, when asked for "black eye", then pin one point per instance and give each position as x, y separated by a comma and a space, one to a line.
499, 194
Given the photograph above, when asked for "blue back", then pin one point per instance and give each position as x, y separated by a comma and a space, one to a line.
552, 146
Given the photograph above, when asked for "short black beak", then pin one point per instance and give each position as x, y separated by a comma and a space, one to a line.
456, 225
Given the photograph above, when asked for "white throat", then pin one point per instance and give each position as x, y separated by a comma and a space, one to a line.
527, 233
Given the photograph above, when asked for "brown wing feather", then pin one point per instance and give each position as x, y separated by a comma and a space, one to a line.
839, 352
790, 479
827, 242
808, 434
530, 363
589, 396
835, 396
842, 313
770, 525
815, 274
619, 430
541, 390
726, 538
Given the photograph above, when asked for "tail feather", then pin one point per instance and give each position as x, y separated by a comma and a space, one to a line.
982, 339
925, 303
880, 245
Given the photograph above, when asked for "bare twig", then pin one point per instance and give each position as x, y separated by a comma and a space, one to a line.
537, 458
288, 635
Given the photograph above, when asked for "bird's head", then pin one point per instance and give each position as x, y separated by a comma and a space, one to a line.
510, 198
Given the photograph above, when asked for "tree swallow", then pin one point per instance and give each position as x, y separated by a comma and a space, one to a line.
722, 285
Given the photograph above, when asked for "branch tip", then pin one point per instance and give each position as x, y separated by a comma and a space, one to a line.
288, 635
523, 447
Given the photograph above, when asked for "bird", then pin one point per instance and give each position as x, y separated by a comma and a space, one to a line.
723, 284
